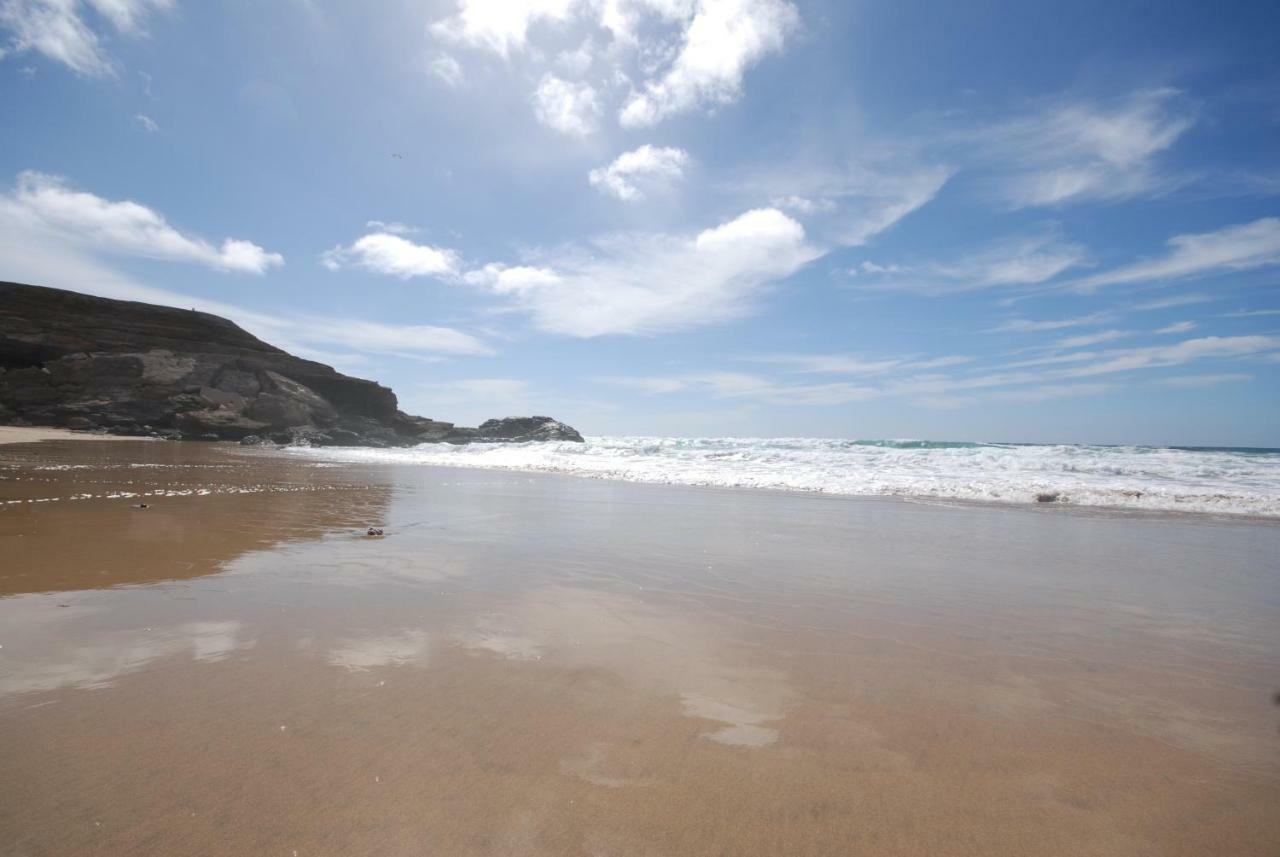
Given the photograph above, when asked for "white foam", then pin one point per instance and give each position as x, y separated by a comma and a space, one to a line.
1212, 481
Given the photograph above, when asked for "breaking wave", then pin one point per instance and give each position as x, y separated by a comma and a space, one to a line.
1207, 480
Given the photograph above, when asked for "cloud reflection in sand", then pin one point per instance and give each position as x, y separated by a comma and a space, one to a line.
107, 656
409, 646
655, 648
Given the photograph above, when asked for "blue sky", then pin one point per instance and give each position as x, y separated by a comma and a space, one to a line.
990, 220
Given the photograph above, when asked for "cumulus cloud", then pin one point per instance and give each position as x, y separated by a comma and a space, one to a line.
1082, 150
501, 26
723, 40
125, 227
568, 107
630, 171
689, 54
640, 283
512, 280
32, 252
59, 30
385, 252
1240, 247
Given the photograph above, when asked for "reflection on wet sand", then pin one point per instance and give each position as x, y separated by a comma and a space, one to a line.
71, 516
545, 666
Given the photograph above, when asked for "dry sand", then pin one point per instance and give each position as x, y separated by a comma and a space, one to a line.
549, 666
31, 434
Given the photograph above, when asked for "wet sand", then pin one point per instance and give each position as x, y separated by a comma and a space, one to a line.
545, 665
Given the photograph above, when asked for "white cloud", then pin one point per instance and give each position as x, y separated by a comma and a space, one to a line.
58, 29
1205, 380
853, 204
513, 280
568, 107
875, 203
1086, 339
393, 227
828, 364
128, 15
1080, 150
1038, 380
1023, 325
689, 54
125, 227
1241, 247
736, 385
1189, 350
146, 123
32, 252
393, 255
845, 364
386, 338
577, 62
1174, 301
637, 283
447, 69
1249, 313
1014, 262
724, 39
499, 25
802, 205
1048, 392
1178, 327
645, 166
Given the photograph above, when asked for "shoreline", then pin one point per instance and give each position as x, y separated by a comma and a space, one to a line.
925, 499
16, 435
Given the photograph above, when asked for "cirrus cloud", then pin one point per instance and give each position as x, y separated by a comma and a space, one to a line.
1240, 247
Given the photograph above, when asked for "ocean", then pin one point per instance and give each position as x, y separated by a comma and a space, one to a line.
1231, 481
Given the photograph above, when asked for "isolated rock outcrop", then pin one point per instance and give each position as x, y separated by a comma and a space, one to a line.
515, 430
84, 362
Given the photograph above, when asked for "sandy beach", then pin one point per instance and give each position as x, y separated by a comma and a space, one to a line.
32, 434
545, 665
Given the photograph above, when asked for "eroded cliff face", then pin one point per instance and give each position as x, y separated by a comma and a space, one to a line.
68, 359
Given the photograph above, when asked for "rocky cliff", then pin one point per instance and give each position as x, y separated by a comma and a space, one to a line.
74, 360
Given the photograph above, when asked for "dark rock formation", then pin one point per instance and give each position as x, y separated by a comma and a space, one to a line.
83, 362
515, 430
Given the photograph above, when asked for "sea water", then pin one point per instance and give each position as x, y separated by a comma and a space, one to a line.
1206, 480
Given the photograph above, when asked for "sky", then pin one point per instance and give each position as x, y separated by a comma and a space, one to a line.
1006, 221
